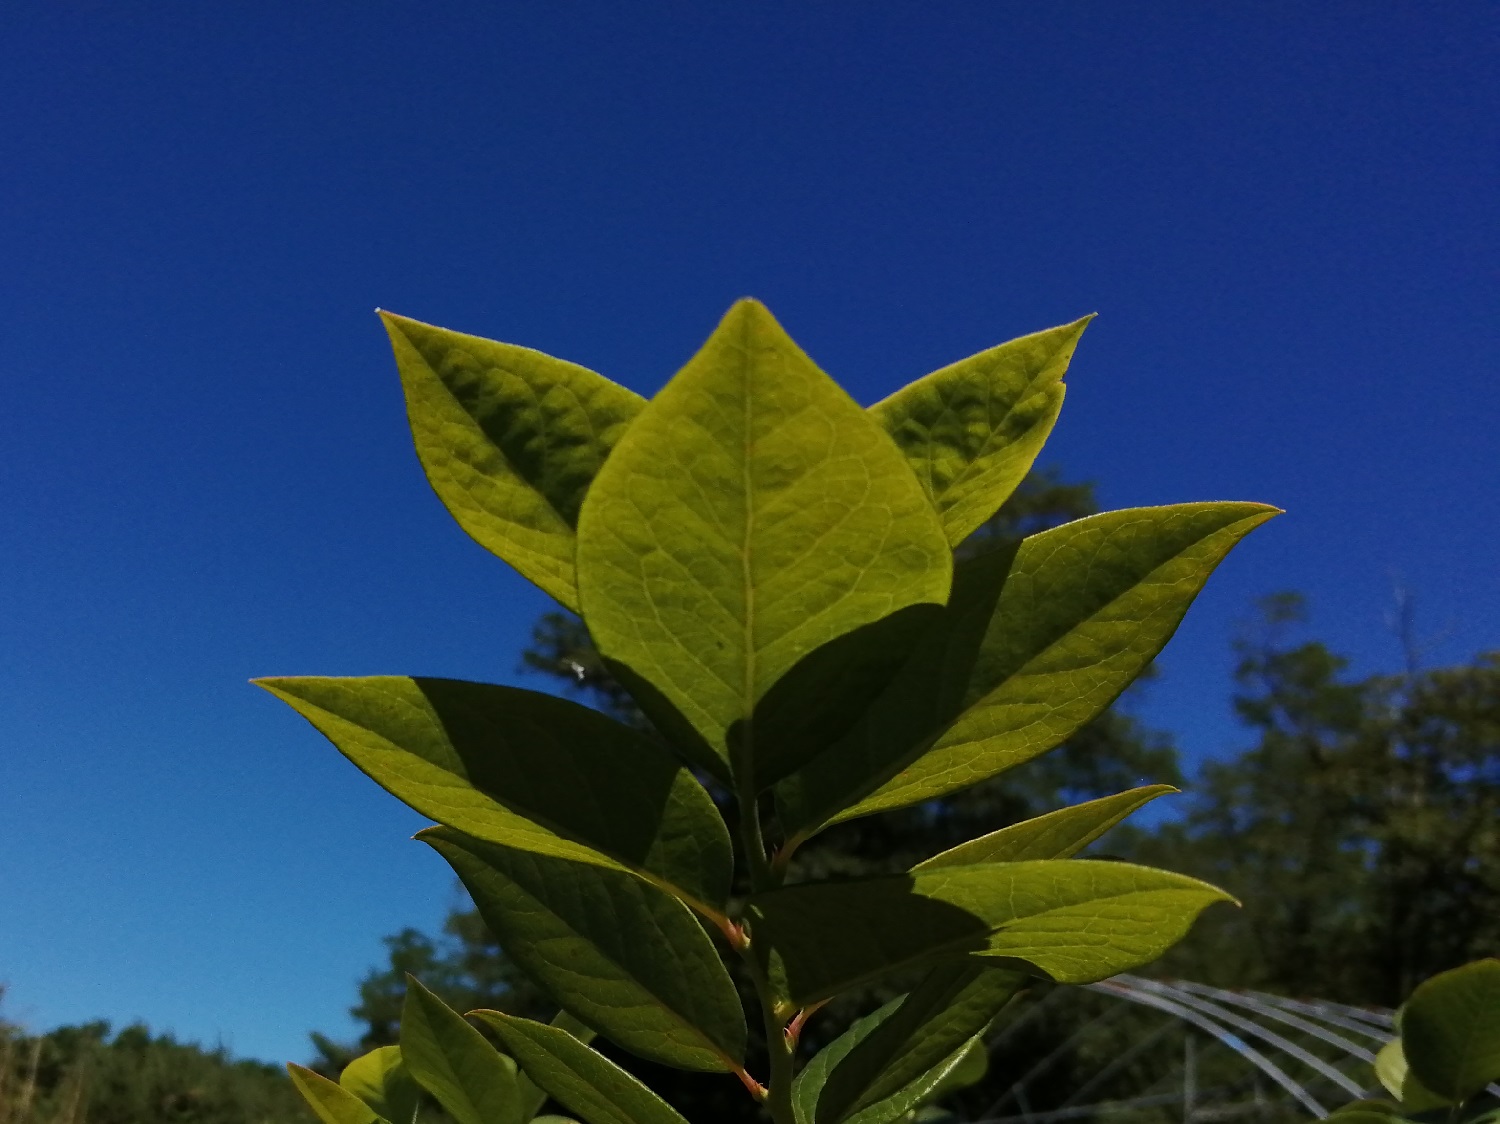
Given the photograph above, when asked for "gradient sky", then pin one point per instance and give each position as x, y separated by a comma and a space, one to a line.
1284, 213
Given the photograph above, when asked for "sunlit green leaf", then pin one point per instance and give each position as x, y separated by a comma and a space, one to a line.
332, 1103
751, 514
510, 440
527, 770
1074, 920
1056, 835
1450, 1029
453, 1061
1402, 1083
580, 1079
883, 1056
624, 957
972, 430
1033, 644
381, 1079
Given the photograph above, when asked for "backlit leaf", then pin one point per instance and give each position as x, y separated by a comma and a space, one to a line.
624, 957
1402, 1083
751, 514
580, 1079
1056, 835
332, 1103
972, 430
1034, 643
527, 770
473, 1082
381, 1079
510, 440
1073, 920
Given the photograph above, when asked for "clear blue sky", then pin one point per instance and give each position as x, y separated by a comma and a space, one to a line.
1285, 214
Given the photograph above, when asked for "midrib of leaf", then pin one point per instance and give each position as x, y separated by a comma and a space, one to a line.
747, 571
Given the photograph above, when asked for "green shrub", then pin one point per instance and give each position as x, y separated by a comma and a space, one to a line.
85, 1075
769, 571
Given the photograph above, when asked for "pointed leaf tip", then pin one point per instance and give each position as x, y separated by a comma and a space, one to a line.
510, 439
750, 515
973, 429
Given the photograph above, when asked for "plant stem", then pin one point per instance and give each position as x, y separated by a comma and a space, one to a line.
753, 840
778, 1045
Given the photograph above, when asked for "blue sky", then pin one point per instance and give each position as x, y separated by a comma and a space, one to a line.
1283, 213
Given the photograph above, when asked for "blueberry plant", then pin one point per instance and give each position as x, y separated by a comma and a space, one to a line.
769, 569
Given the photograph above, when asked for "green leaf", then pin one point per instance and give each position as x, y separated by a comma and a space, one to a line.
510, 440
884, 1054
972, 430
751, 514
332, 1103
957, 1001
972, 1066
381, 1079
527, 770
1401, 1083
624, 957
1380, 1108
809, 1092
820, 699
533, 1096
1056, 835
453, 1062
1034, 643
1074, 920
586, 1083
1450, 1028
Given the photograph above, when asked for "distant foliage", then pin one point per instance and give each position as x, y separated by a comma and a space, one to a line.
1362, 831
86, 1075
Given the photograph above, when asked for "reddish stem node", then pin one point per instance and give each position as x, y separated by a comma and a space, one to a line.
755, 1088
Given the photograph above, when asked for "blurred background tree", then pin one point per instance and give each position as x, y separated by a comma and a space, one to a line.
1361, 831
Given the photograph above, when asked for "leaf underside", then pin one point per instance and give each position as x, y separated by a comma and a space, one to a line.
1033, 644
973, 429
1055, 835
451, 1060
330, 1101
526, 770
1073, 920
510, 440
627, 959
582, 1080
